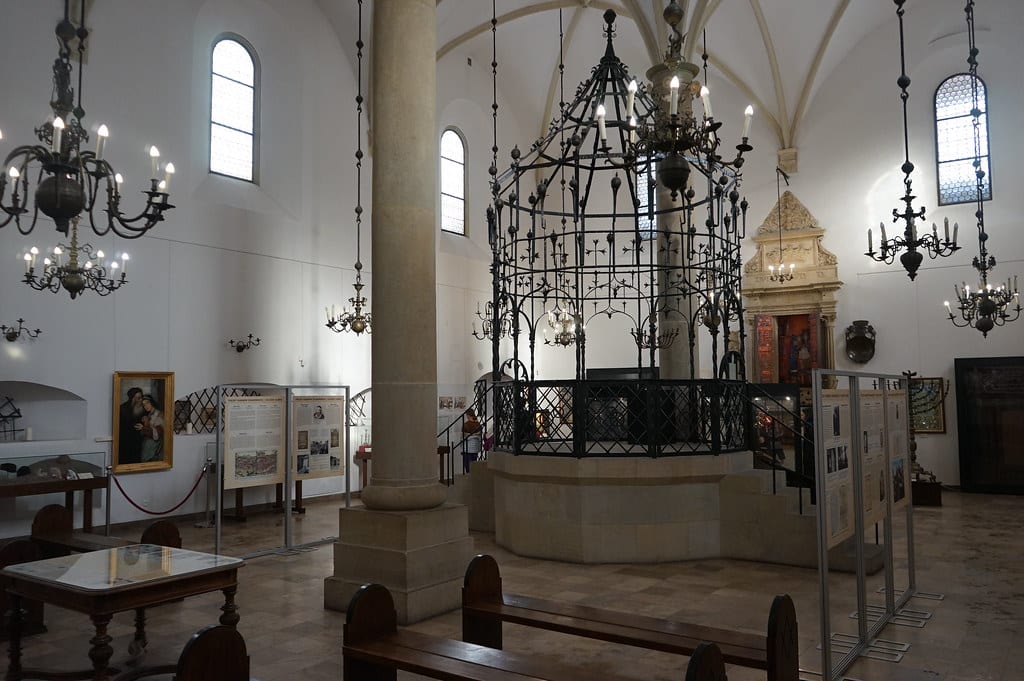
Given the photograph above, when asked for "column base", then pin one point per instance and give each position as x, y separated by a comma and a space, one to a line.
420, 556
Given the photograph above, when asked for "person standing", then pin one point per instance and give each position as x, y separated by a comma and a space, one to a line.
472, 440
129, 439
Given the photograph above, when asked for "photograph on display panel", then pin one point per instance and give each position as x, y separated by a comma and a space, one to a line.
318, 424
143, 438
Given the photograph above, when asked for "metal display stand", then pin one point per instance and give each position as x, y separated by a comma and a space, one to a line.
871, 619
289, 391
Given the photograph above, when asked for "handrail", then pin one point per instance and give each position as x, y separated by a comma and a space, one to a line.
480, 402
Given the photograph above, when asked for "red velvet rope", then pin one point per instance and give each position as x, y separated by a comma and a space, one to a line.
170, 510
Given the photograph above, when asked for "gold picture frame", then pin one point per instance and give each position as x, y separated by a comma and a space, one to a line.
928, 405
143, 433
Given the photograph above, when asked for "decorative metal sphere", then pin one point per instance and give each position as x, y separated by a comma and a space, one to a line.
673, 172
73, 283
61, 198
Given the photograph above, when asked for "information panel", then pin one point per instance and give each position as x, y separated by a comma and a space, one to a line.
873, 455
318, 436
899, 460
835, 422
253, 441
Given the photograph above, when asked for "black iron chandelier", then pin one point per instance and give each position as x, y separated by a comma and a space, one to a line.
489, 328
76, 268
987, 306
13, 333
241, 346
69, 178
911, 242
580, 232
355, 319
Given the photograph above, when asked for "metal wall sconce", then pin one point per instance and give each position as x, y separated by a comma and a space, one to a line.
860, 341
243, 345
12, 334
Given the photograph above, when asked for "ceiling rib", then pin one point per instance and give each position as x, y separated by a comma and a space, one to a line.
698, 12
812, 72
773, 61
646, 30
525, 12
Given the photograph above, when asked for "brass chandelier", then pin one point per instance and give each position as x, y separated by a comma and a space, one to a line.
355, 319
83, 268
987, 306
68, 177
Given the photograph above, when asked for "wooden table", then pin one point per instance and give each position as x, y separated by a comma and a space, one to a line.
101, 583
32, 486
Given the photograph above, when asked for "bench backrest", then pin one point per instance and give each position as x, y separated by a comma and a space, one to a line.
214, 653
162, 533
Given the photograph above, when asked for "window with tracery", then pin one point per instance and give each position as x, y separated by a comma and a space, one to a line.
453, 182
954, 140
234, 109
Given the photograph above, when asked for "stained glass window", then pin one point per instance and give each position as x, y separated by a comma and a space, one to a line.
954, 140
233, 109
647, 221
453, 182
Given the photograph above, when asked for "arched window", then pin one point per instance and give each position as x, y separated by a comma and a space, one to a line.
954, 140
645, 194
234, 109
453, 182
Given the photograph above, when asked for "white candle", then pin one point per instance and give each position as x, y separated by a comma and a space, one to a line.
630, 94
956, 228
632, 129
124, 264
57, 252
99, 258
945, 224
946, 303
28, 435
154, 160
101, 140
14, 174
748, 116
705, 98
673, 102
327, 312
118, 181
881, 226
168, 171
58, 130
28, 262
871, 248
33, 252
600, 122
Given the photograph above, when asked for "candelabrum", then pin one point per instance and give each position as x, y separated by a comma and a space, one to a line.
354, 320
566, 327
12, 334
243, 345
910, 242
986, 307
72, 179
488, 323
647, 340
782, 274
74, 276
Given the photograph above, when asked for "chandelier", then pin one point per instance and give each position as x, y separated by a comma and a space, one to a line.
84, 270
625, 210
987, 306
71, 178
12, 333
354, 319
910, 241
489, 322
782, 276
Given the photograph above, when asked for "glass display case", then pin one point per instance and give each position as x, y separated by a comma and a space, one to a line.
23, 476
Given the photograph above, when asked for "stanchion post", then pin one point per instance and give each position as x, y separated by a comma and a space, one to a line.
110, 477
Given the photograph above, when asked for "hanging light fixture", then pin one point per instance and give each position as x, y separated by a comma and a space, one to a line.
241, 346
987, 306
490, 324
564, 325
75, 268
910, 240
72, 179
354, 319
782, 276
12, 333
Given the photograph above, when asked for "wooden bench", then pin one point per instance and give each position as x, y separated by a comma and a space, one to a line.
53, 532
485, 607
214, 653
375, 649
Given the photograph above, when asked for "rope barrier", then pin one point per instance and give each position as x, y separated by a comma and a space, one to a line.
170, 510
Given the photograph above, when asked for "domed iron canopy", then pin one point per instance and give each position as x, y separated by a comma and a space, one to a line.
578, 233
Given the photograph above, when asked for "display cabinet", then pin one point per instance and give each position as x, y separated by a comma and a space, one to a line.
48, 474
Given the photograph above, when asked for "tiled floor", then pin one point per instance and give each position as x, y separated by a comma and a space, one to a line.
971, 550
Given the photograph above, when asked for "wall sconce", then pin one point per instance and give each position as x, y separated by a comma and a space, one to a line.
242, 346
12, 334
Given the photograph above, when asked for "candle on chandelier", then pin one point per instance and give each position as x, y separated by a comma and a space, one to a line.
705, 98
956, 228
632, 129
871, 249
881, 226
57, 252
124, 264
14, 174
118, 181
99, 258
58, 130
630, 95
101, 140
33, 252
28, 262
673, 101
168, 171
601, 130
945, 226
154, 160
748, 116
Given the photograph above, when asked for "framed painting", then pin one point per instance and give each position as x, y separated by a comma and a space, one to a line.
928, 404
143, 431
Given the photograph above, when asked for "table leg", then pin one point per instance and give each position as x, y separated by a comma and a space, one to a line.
87, 510
101, 649
230, 615
138, 645
14, 638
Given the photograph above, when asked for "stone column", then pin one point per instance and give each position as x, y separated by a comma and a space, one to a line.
674, 361
406, 537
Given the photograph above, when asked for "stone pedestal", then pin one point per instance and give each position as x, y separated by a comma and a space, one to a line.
420, 556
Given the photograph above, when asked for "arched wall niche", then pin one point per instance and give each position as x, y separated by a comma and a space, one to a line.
47, 412
790, 325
